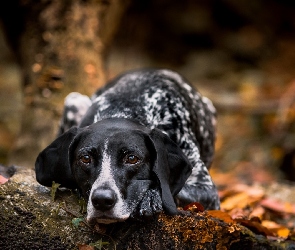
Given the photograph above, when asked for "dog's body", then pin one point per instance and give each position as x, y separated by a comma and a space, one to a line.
145, 142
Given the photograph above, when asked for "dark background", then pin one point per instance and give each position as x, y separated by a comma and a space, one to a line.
240, 54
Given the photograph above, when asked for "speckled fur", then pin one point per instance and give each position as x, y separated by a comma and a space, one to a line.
162, 99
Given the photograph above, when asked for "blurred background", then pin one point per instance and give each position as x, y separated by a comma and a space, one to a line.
240, 54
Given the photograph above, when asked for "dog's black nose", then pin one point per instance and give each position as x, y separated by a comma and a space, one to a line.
103, 199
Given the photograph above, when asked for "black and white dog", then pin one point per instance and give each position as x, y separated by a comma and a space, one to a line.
141, 145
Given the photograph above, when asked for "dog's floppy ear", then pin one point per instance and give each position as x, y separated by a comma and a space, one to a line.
53, 164
171, 167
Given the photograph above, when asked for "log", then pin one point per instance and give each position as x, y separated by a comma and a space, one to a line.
31, 219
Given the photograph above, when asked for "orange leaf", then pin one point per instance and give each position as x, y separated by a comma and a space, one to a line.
278, 229
239, 200
255, 227
220, 215
283, 232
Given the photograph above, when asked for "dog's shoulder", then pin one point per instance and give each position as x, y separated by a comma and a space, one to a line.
141, 94
148, 85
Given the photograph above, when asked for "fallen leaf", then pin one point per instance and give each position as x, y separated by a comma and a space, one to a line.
240, 196
283, 232
220, 215
255, 227
257, 212
278, 229
238, 213
3, 179
270, 224
239, 200
85, 247
278, 206
194, 207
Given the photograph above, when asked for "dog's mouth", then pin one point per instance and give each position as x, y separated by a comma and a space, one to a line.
104, 220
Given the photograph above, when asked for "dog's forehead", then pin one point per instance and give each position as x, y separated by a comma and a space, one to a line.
133, 139
114, 132
116, 124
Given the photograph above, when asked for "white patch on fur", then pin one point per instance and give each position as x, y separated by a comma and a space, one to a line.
194, 178
80, 102
102, 102
76, 106
172, 74
211, 107
70, 115
106, 179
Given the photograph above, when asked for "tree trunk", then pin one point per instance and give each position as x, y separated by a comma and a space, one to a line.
61, 47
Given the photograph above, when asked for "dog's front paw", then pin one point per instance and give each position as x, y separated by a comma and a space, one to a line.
150, 205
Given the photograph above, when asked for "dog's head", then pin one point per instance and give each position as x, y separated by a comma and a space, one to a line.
114, 163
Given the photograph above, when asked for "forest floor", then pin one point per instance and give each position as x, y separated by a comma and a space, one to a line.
254, 165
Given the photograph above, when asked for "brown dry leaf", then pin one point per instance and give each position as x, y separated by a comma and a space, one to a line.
278, 229
278, 206
255, 227
221, 215
85, 247
3, 179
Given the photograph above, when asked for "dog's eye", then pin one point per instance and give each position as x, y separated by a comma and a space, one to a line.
131, 159
86, 159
